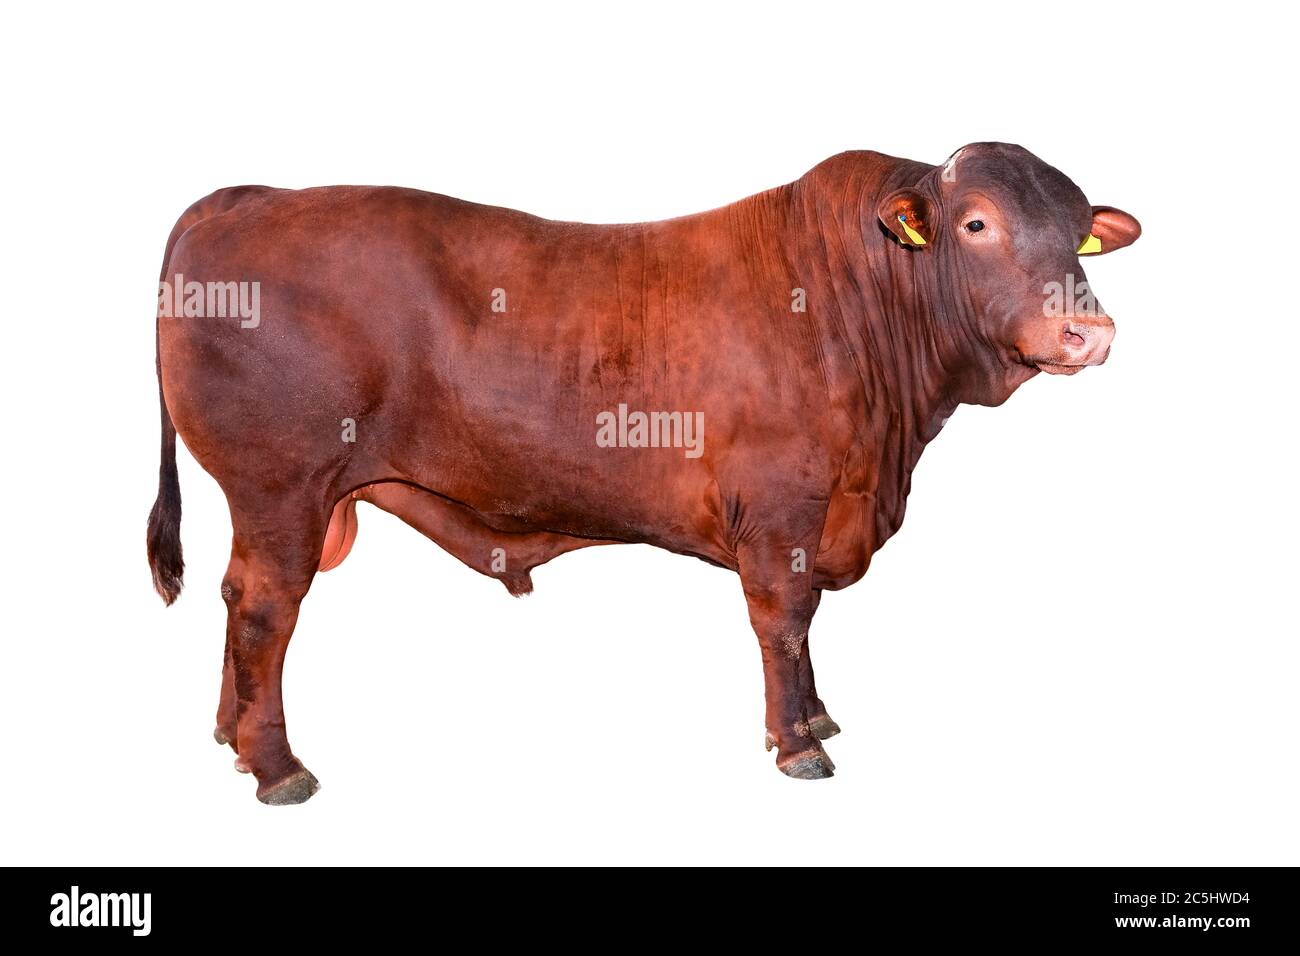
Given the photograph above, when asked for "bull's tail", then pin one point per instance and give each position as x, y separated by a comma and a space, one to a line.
164, 538
164, 535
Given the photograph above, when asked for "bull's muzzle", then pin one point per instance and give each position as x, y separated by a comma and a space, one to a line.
1083, 342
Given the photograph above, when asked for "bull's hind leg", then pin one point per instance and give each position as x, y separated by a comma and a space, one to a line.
273, 560
227, 731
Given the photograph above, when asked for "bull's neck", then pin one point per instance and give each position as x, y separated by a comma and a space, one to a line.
874, 305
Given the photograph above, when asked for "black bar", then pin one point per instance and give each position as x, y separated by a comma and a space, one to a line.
1224, 907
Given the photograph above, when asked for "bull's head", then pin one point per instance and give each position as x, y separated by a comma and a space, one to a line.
1007, 231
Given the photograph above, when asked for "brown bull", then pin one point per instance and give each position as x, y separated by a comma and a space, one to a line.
751, 385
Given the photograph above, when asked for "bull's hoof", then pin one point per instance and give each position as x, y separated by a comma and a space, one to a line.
220, 737
241, 766
823, 728
297, 788
808, 765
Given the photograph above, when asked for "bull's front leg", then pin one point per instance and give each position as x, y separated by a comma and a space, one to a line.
782, 601
820, 722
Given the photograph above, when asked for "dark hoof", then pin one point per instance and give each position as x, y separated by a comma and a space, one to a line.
297, 788
219, 737
823, 728
809, 765
241, 766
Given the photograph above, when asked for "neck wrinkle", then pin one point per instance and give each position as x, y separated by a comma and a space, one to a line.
875, 302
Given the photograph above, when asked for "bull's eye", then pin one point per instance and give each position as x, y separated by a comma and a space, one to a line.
975, 225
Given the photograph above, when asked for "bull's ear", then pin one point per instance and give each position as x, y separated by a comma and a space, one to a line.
906, 213
1111, 229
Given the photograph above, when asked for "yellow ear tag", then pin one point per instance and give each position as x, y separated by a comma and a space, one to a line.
1091, 244
913, 236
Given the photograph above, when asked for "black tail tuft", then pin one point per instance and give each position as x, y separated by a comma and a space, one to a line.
164, 538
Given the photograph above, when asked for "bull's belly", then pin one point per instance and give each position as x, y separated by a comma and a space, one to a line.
568, 486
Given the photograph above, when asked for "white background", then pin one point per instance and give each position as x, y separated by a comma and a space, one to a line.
1080, 649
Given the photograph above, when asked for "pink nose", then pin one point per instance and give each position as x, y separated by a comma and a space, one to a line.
1087, 341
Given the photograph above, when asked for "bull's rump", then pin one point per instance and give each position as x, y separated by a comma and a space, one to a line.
474, 347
